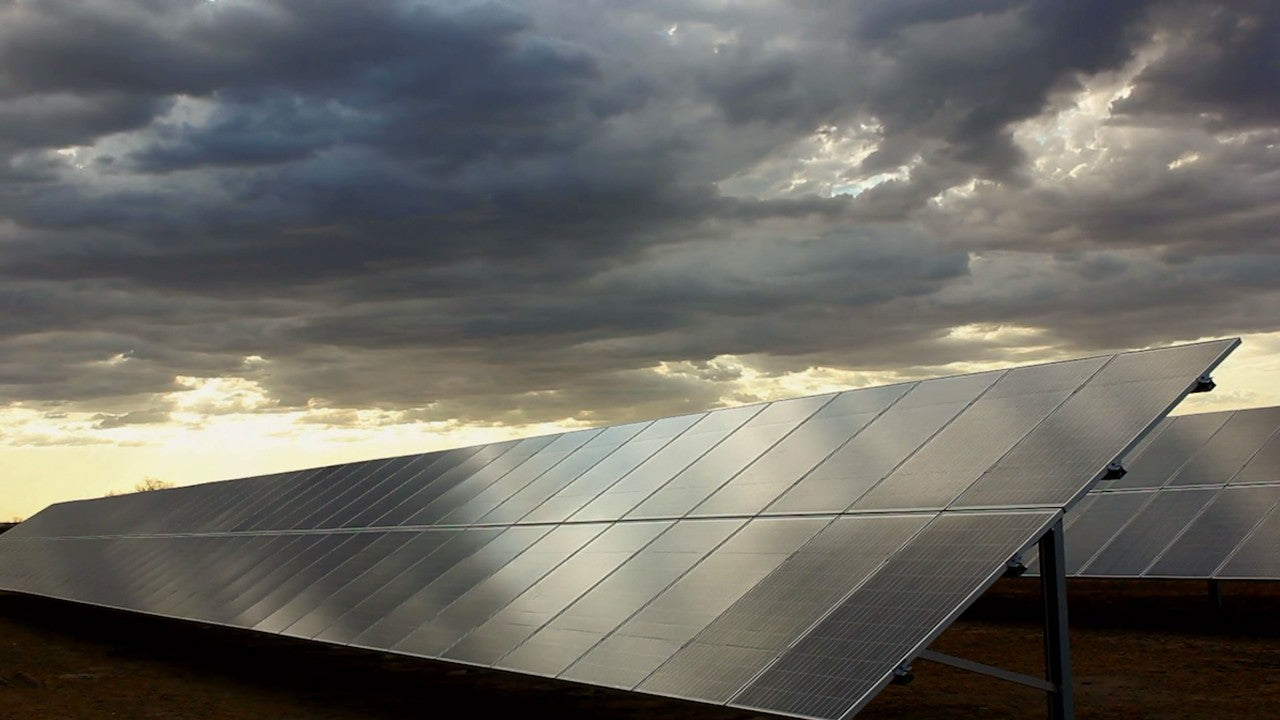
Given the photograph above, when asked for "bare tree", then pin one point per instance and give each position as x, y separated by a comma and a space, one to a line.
149, 483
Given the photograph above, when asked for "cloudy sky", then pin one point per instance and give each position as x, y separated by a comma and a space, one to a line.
252, 235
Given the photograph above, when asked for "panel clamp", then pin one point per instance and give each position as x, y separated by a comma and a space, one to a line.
1204, 383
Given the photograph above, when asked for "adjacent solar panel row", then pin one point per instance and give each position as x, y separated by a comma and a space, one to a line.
783, 557
1200, 500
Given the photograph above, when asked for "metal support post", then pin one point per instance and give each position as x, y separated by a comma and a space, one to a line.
1057, 650
1215, 593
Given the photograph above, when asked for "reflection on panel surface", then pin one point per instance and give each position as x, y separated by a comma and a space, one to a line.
852, 652
1207, 482
784, 555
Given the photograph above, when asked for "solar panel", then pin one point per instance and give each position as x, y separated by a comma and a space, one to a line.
1206, 482
783, 556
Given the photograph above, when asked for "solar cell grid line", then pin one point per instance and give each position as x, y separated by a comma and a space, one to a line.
174, 577
179, 507
248, 515
1094, 529
260, 561
1134, 452
428, 587
1209, 539
584, 623
460, 484
924, 408
674, 616
1263, 467
313, 610
545, 599
1256, 557
1240, 438
772, 474
196, 516
270, 514
1103, 420
722, 658
90, 585
587, 486
306, 599
249, 607
329, 553
204, 567
525, 500
1138, 543
216, 596
388, 478
187, 504
177, 577
1163, 457
110, 583
848, 656
338, 491
151, 577
257, 492
359, 493
418, 587
329, 615
983, 432
473, 485
442, 483
47, 523
1030, 557
481, 600
418, 477
527, 472
682, 451
154, 554
323, 491
721, 463
146, 511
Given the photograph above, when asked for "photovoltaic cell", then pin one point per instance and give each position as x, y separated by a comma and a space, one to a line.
655, 471
1264, 466
842, 662
1256, 558
1175, 534
995, 421
880, 447
1239, 439
1092, 530
698, 481
587, 486
741, 641
502, 584
1078, 441
1150, 531
1209, 540
1168, 452
651, 636
550, 595
753, 489
599, 611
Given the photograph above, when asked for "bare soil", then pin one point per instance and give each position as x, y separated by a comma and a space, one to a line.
1141, 650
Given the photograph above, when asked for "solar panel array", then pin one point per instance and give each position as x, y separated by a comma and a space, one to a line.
782, 557
1201, 500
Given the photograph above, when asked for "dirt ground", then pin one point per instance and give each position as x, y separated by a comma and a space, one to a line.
1141, 649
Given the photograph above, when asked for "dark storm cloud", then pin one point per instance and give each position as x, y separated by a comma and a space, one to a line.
1225, 67
515, 213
